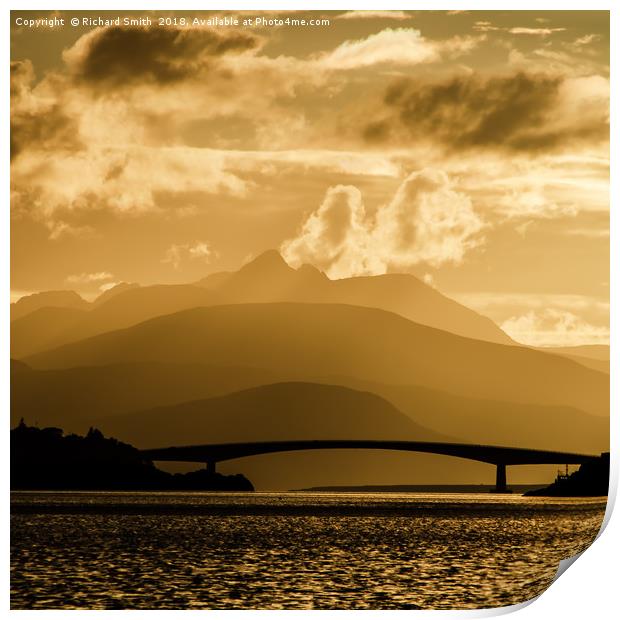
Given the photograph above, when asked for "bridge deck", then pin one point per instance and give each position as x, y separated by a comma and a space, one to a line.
496, 455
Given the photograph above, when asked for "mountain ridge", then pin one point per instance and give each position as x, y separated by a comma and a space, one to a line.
334, 339
266, 279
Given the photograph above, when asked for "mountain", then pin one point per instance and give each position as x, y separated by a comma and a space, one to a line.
492, 422
121, 287
128, 307
308, 340
590, 351
294, 410
79, 397
281, 411
588, 362
595, 356
43, 327
266, 279
47, 299
74, 398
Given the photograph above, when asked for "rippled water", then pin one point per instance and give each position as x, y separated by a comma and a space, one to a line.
289, 550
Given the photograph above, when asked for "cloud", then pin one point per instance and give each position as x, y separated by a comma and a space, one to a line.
491, 301
553, 327
395, 46
540, 32
486, 26
429, 280
177, 253
401, 46
108, 285
399, 15
118, 56
590, 233
89, 278
206, 112
533, 203
124, 180
425, 222
59, 229
586, 39
520, 112
36, 121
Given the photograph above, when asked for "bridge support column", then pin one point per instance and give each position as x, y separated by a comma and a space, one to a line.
210, 465
500, 479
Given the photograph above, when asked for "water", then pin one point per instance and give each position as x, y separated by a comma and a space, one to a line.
290, 550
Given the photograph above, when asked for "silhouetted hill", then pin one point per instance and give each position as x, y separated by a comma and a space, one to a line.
281, 411
590, 480
46, 299
47, 459
337, 340
74, 398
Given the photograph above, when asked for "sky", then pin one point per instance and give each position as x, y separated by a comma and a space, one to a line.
470, 149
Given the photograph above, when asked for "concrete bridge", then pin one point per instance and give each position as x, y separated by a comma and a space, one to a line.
499, 456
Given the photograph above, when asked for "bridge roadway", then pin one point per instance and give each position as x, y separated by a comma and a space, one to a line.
500, 456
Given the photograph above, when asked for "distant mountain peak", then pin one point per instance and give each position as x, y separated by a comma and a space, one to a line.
268, 261
121, 287
64, 295
54, 299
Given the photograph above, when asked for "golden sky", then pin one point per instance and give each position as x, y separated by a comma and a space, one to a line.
468, 148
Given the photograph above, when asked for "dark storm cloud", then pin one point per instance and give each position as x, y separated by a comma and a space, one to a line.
512, 112
118, 56
48, 130
37, 126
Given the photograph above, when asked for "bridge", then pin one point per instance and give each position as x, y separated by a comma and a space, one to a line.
500, 456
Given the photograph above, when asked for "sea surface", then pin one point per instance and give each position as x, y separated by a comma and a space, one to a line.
301, 550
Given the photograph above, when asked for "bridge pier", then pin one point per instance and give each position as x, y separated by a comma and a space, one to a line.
210, 466
500, 479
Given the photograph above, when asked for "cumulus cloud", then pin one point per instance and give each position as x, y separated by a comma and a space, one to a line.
178, 252
425, 222
553, 327
520, 112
